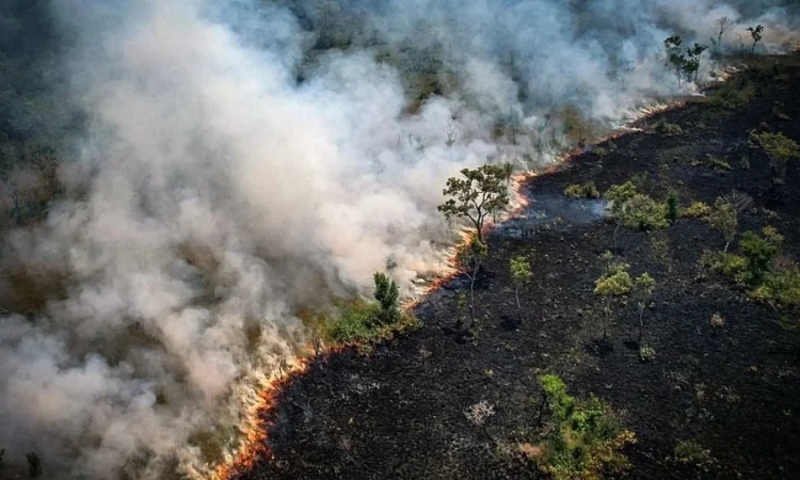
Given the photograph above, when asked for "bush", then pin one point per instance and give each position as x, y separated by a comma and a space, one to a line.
587, 190
647, 353
644, 213
669, 129
600, 151
689, 451
759, 253
696, 210
731, 98
586, 441
717, 321
728, 264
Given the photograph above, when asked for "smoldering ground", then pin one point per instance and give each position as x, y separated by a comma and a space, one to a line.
235, 167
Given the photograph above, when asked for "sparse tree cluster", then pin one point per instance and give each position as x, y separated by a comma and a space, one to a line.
685, 63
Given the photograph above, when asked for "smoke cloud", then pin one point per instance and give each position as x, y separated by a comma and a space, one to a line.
232, 172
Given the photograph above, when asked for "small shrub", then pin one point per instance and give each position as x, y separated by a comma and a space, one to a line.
718, 163
666, 128
647, 353
587, 190
644, 213
697, 210
691, 452
732, 99
600, 151
729, 264
717, 321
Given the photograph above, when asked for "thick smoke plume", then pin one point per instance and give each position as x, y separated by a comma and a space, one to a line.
235, 170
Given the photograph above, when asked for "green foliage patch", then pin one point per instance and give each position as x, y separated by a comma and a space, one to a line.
586, 440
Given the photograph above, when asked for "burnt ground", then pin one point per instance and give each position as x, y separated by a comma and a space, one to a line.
396, 412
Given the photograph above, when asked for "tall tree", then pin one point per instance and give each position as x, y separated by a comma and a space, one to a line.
722, 25
756, 34
724, 218
643, 288
469, 261
477, 194
613, 284
520, 273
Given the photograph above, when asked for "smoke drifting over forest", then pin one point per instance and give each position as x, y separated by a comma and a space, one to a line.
241, 160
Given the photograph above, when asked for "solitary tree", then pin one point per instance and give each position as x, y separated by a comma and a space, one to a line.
480, 193
520, 273
615, 283
642, 291
755, 33
387, 294
469, 261
619, 195
34, 465
691, 66
725, 218
675, 58
673, 207
722, 25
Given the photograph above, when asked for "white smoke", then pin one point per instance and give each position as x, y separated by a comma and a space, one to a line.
219, 195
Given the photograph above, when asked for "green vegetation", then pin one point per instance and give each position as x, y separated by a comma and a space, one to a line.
779, 149
587, 190
691, 452
697, 210
669, 129
635, 210
732, 98
647, 353
643, 288
756, 34
469, 261
586, 439
717, 321
362, 321
684, 64
614, 283
725, 218
482, 192
673, 207
521, 273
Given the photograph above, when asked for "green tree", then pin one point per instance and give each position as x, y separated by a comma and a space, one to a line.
725, 218
387, 294
759, 252
469, 261
755, 33
481, 192
643, 288
619, 195
691, 65
779, 149
34, 465
613, 284
675, 58
673, 207
520, 273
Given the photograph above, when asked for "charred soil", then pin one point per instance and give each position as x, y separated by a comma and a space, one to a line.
397, 411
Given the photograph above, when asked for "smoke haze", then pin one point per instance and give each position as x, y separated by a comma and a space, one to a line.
235, 168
